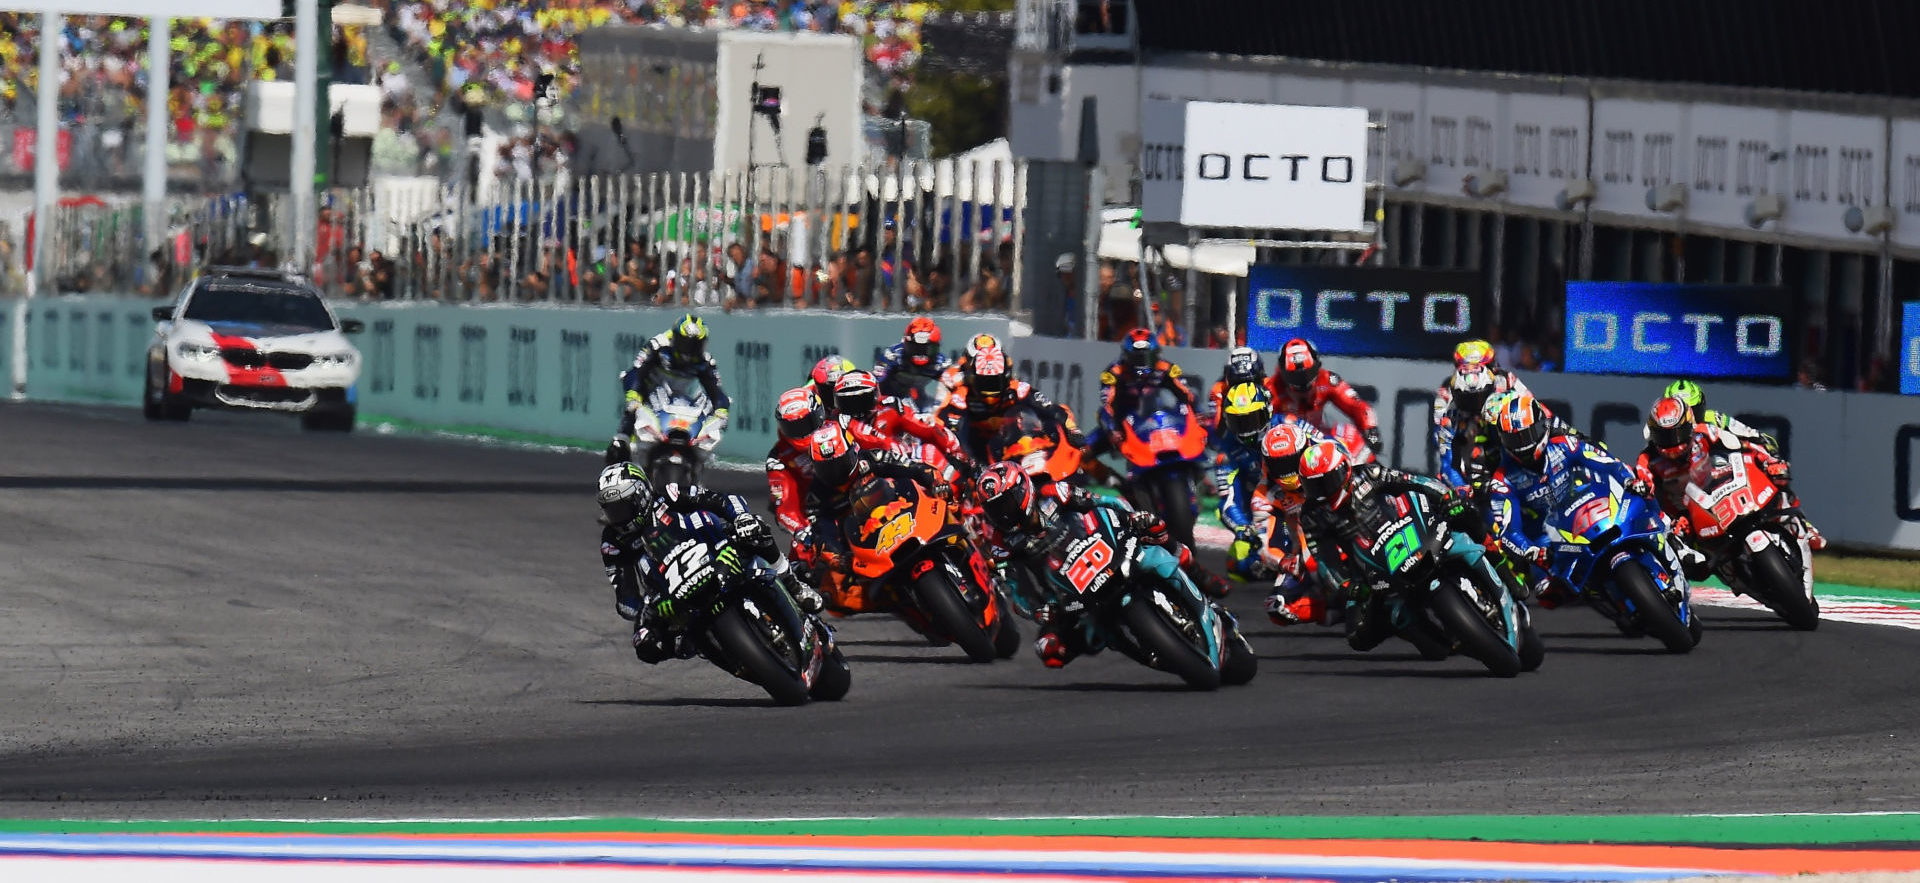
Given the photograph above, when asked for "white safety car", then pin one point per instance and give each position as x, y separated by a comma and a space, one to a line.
255, 340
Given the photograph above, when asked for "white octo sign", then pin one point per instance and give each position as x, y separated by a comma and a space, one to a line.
1259, 166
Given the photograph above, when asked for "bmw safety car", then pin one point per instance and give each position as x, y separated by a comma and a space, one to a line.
253, 340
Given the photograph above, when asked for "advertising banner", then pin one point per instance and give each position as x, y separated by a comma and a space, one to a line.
1257, 166
1910, 348
1742, 331
1365, 311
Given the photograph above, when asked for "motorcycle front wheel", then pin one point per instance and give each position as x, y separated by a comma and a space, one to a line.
1650, 610
1157, 634
749, 648
944, 605
1465, 623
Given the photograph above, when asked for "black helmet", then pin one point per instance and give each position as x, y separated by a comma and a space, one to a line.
1243, 364
624, 493
1139, 351
689, 339
1007, 496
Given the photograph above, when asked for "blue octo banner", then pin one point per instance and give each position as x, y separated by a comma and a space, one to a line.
1741, 331
1910, 348
1364, 311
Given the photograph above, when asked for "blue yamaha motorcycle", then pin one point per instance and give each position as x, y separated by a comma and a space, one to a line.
1613, 547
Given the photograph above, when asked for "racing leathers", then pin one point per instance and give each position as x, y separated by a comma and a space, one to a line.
900, 378
895, 426
822, 544
1326, 389
1742, 431
976, 420
657, 358
1457, 423
789, 475
1669, 477
1245, 499
1335, 534
1122, 388
628, 554
1061, 640
1519, 497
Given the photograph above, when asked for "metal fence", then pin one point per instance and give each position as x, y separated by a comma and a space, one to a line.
915, 236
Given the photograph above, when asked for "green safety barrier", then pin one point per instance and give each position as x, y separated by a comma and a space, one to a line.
519, 371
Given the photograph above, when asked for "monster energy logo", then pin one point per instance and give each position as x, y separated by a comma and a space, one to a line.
664, 607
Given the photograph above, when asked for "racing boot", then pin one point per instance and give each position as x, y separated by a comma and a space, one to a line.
1551, 593
653, 642
627, 605
1057, 642
1291, 603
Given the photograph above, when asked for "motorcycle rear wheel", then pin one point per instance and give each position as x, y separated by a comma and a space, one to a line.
1651, 611
1173, 492
1240, 664
1464, 623
1157, 635
748, 647
946, 607
1782, 590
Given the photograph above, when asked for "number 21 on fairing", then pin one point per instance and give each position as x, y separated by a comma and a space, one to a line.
1089, 564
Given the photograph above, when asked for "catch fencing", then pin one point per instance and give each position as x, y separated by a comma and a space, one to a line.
917, 235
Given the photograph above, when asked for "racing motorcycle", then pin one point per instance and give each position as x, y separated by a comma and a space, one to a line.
1164, 445
673, 436
733, 613
1427, 568
1039, 449
1612, 547
1740, 522
1134, 598
909, 543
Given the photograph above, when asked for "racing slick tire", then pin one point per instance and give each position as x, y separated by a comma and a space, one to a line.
749, 648
1157, 635
1782, 590
1477, 637
945, 606
1652, 612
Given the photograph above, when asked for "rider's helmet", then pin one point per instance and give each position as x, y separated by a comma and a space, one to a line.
1473, 354
1299, 365
799, 413
1139, 352
988, 374
826, 373
856, 394
1670, 426
1246, 411
1470, 385
921, 344
1280, 450
1521, 425
623, 494
1325, 475
688, 340
1007, 496
834, 456
1689, 394
1243, 364
979, 342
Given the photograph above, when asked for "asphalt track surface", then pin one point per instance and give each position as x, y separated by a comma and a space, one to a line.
231, 618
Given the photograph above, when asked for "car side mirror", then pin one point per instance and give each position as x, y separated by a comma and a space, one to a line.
163, 313
352, 326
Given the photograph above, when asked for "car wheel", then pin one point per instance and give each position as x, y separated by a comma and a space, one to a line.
158, 404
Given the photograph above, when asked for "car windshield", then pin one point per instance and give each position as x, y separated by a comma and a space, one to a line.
259, 305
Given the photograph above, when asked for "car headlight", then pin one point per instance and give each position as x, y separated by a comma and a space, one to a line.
204, 352
334, 360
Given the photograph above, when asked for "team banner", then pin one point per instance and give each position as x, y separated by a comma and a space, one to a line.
1365, 311
1910, 348
1733, 331
1259, 166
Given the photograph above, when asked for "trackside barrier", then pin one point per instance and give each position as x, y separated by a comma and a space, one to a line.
544, 371
1853, 453
553, 372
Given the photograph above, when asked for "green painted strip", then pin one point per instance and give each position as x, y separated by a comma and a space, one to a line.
414, 427
1903, 828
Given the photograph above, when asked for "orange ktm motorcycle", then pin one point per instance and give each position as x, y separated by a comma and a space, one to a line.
911, 552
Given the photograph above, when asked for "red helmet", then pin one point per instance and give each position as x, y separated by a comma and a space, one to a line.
826, 373
799, 413
1007, 496
1139, 351
988, 374
1281, 449
1299, 365
833, 454
1670, 426
856, 394
1325, 474
921, 345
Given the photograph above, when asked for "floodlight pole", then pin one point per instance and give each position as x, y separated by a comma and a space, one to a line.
306, 83
153, 182
46, 183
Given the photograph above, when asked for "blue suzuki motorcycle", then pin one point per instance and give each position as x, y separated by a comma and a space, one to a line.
1613, 547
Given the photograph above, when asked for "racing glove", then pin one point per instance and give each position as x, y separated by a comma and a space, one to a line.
1373, 440
721, 415
751, 532
1076, 438
1640, 488
1149, 524
1780, 472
